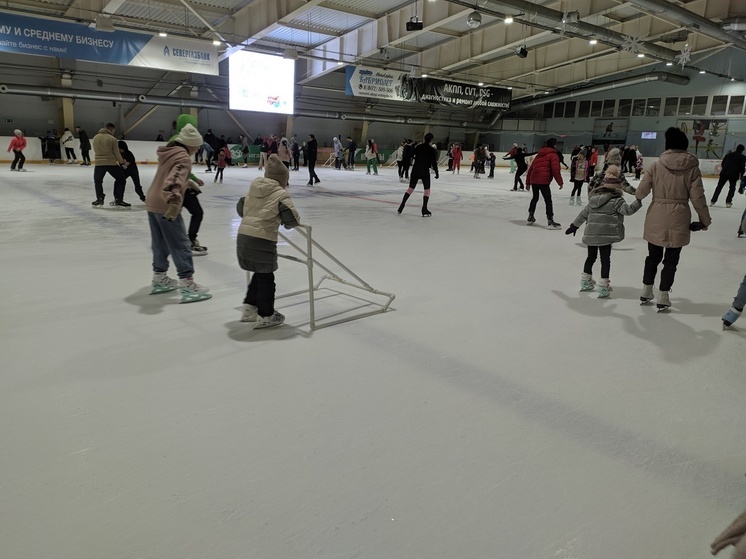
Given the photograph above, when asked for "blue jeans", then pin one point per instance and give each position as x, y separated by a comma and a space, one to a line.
170, 237
740, 301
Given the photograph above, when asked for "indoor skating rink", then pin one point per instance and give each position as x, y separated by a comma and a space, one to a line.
493, 412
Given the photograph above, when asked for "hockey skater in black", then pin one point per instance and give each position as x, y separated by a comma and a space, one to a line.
425, 158
130, 171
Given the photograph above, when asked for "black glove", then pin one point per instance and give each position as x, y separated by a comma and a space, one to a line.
571, 230
696, 226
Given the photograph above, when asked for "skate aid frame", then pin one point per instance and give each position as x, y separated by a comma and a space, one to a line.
310, 261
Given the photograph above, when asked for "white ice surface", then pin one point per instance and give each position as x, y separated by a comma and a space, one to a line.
495, 412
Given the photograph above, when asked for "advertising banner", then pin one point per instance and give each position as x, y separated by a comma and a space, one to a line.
47, 37
397, 85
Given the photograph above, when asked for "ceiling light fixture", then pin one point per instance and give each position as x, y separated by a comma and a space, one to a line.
216, 43
669, 63
424, 75
701, 71
593, 42
474, 19
163, 34
509, 19
640, 55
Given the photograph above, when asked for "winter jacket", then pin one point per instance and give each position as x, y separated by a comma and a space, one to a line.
605, 214
85, 142
170, 181
128, 156
312, 149
674, 180
222, 162
457, 153
106, 150
733, 165
67, 140
598, 180
17, 144
371, 153
283, 152
399, 154
262, 210
407, 153
593, 159
578, 170
546, 166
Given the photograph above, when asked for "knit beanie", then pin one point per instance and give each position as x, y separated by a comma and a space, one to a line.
614, 157
612, 177
276, 170
17, 132
189, 136
676, 139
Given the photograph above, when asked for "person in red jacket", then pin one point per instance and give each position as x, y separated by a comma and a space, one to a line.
458, 155
546, 166
17, 144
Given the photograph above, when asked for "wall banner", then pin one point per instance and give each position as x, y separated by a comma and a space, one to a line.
47, 37
396, 85
706, 134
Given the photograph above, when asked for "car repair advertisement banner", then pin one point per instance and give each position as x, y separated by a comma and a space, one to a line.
396, 85
47, 37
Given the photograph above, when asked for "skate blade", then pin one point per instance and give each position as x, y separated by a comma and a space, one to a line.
662, 309
157, 290
644, 301
196, 297
204, 253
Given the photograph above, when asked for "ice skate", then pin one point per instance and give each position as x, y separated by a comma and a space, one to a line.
163, 284
192, 292
249, 313
269, 321
730, 317
572, 200
551, 224
198, 249
587, 282
663, 301
120, 205
98, 203
426, 212
531, 219
604, 289
647, 294
740, 233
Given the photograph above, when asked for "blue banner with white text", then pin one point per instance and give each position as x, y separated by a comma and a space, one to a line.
47, 37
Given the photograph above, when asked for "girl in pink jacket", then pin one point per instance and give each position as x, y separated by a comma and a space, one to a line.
17, 145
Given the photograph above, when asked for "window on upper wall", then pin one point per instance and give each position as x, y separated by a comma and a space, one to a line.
549, 110
672, 104
570, 109
625, 107
638, 107
584, 109
559, 110
719, 103
608, 110
685, 106
596, 108
653, 107
736, 105
700, 106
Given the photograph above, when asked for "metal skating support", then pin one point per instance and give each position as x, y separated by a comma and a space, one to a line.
310, 261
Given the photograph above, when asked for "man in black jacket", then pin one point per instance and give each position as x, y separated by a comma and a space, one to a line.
85, 145
732, 169
351, 149
311, 153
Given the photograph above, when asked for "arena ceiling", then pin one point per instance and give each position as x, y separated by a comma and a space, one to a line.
557, 35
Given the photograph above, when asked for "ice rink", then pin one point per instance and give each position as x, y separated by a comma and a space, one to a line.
493, 412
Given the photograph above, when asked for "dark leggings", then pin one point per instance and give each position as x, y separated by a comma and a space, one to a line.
219, 173
416, 176
192, 205
670, 261
517, 179
261, 293
577, 189
593, 252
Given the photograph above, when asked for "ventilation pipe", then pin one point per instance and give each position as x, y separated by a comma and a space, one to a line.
635, 80
396, 120
546, 18
734, 24
117, 97
690, 19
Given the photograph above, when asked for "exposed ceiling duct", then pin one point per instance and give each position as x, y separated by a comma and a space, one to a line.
115, 97
539, 16
634, 80
395, 120
690, 19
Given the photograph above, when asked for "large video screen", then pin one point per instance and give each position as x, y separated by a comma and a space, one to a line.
261, 82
